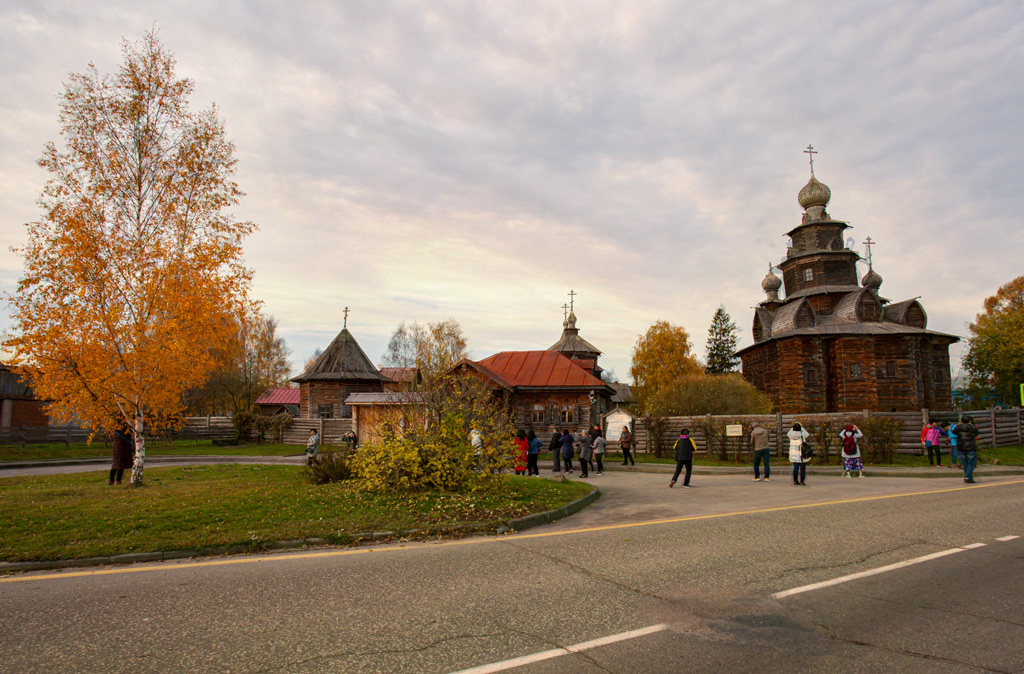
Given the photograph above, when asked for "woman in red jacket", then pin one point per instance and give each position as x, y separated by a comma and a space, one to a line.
522, 448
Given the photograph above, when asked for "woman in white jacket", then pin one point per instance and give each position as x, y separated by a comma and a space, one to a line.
797, 436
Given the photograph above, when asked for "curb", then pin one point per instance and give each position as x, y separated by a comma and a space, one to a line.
537, 519
190, 458
518, 524
834, 471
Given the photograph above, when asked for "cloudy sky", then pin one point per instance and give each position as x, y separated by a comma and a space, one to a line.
417, 161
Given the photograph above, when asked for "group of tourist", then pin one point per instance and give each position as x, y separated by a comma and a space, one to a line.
963, 445
588, 448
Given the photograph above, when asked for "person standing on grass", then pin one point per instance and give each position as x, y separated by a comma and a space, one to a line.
797, 437
599, 448
568, 444
312, 446
930, 439
684, 449
967, 445
556, 451
521, 451
759, 441
954, 455
124, 454
625, 442
852, 461
534, 453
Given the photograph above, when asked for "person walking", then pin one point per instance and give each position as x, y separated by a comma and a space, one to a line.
555, 447
123, 454
520, 452
852, 461
568, 443
625, 443
312, 446
797, 437
684, 449
533, 453
954, 455
967, 445
759, 441
599, 448
586, 452
930, 440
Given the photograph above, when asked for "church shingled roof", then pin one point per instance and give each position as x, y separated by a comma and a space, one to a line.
343, 360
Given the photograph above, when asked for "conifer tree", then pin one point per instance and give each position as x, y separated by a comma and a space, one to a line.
722, 341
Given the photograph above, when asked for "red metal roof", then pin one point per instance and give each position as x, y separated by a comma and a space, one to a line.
539, 368
279, 396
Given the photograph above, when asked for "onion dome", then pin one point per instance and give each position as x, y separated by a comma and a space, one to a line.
771, 282
871, 280
814, 193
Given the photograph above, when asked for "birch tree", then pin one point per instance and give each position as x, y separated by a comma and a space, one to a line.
135, 268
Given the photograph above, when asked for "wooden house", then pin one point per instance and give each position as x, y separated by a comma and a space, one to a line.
546, 390
279, 400
836, 345
18, 404
341, 370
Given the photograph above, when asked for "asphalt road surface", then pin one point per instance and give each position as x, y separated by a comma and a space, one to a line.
649, 579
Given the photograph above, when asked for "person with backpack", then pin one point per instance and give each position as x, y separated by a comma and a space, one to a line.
852, 461
684, 449
799, 453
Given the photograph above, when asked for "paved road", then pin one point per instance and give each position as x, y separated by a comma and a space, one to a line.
704, 562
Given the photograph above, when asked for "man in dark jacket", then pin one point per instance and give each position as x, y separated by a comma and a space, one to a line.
967, 445
759, 439
684, 457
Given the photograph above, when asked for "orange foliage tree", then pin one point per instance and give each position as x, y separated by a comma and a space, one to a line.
661, 356
135, 269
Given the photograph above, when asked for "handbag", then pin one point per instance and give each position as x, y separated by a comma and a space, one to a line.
806, 450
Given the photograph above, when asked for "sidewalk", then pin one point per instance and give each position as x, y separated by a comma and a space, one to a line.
785, 467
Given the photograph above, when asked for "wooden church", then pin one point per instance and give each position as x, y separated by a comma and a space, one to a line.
831, 344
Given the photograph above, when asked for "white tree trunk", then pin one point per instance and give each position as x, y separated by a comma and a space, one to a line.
140, 453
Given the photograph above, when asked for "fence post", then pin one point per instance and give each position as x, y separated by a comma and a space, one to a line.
321, 430
925, 417
207, 426
1020, 431
778, 434
23, 438
992, 416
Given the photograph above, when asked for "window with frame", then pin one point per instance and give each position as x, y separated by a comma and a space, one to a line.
537, 414
567, 415
810, 376
808, 274
855, 370
325, 411
890, 369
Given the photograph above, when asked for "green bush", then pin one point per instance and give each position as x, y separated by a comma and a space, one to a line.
881, 435
723, 394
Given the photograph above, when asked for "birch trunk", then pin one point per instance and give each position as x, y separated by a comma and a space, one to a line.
140, 453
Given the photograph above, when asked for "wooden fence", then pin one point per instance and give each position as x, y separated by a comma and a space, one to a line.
194, 428
997, 427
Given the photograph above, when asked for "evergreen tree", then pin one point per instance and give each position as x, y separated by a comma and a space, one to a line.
721, 343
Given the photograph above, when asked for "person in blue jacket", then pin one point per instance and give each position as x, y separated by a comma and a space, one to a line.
568, 445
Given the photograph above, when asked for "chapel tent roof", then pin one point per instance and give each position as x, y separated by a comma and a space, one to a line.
571, 344
343, 360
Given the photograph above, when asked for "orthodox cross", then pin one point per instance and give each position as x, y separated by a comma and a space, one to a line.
810, 152
868, 243
565, 312
572, 298
346, 317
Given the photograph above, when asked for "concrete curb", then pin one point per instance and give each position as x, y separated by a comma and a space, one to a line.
537, 519
834, 471
518, 524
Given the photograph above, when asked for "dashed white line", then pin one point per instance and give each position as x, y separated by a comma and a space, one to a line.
873, 572
557, 652
1007, 538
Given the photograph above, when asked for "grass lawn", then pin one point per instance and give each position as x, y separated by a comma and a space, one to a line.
77, 515
1011, 455
153, 448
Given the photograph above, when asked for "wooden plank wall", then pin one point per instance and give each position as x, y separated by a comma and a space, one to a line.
998, 427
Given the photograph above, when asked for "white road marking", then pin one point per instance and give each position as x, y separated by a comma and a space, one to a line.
557, 652
873, 572
1007, 538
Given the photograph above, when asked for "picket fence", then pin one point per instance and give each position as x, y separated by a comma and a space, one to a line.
997, 427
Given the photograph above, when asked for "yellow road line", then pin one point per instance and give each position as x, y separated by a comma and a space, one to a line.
478, 541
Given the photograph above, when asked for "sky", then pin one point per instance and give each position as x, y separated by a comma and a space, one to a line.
419, 161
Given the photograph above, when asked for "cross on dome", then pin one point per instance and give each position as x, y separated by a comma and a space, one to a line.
810, 152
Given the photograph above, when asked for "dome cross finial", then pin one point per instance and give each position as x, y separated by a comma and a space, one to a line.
565, 312
572, 298
867, 245
810, 152
346, 318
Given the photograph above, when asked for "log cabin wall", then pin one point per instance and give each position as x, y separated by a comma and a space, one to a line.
550, 404
313, 394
